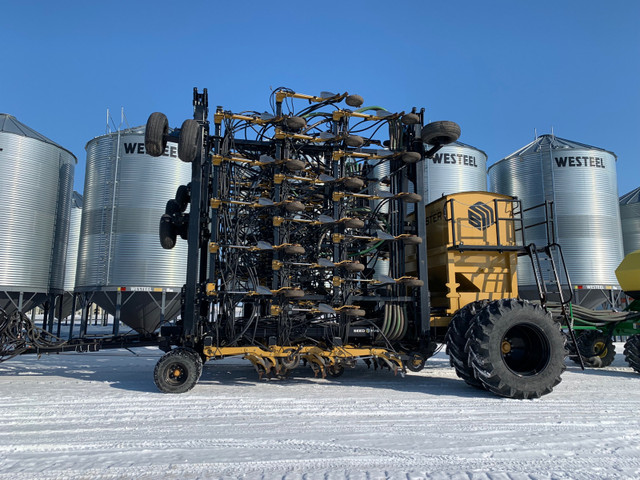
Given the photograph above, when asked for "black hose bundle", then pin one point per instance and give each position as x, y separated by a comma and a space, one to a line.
19, 334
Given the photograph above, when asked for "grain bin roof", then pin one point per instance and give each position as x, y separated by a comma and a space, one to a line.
555, 143
10, 124
632, 197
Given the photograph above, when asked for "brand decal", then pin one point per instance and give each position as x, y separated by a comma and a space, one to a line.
594, 162
481, 216
171, 149
434, 217
455, 159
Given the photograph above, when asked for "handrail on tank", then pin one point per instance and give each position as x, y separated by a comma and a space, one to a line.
549, 221
516, 218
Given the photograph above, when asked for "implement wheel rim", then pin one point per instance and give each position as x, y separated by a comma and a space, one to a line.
525, 349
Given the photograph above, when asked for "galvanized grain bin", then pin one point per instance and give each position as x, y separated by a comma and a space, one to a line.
581, 182
455, 168
125, 194
36, 181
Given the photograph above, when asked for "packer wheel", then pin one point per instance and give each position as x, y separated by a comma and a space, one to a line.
416, 362
335, 371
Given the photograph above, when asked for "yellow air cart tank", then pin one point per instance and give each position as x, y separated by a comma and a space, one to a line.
472, 243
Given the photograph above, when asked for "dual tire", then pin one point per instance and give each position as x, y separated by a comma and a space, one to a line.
512, 348
156, 134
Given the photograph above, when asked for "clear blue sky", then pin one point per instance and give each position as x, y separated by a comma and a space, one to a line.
498, 68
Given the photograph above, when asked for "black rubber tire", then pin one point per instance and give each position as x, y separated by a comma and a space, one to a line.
596, 348
632, 352
353, 183
516, 349
354, 101
411, 282
172, 207
295, 165
294, 250
183, 197
293, 293
416, 362
190, 141
411, 197
354, 223
197, 358
335, 371
412, 240
456, 340
154, 134
411, 157
355, 141
353, 267
177, 371
168, 234
294, 206
296, 123
410, 119
440, 133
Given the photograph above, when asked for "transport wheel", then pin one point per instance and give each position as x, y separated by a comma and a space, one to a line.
190, 141
632, 352
154, 134
516, 349
335, 371
440, 133
596, 348
456, 341
196, 357
177, 371
168, 233
183, 197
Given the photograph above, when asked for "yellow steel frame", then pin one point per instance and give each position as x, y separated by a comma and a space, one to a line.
279, 359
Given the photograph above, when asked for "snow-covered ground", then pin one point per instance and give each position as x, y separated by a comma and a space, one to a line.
99, 416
